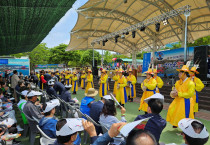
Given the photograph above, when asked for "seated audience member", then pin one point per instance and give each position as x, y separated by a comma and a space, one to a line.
87, 101
194, 131
4, 88
67, 131
95, 111
156, 124
50, 90
48, 122
66, 96
19, 85
3, 98
107, 117
30, 109
59, 87
54, 77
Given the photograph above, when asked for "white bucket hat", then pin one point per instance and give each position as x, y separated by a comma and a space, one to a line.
24, 93
33, 93
51, 104
107, 97
51, 82
155, 96
72, 125
186, 126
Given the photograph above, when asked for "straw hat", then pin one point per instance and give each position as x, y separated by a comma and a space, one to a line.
184, 68
194, 69
116, 70
149, 71
120, 70
89, 70
91, 92
155, 71
103, 71
130, 69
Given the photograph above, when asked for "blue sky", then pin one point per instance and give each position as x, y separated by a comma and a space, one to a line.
61, 31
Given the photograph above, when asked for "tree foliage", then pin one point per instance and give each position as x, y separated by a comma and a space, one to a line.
87, 57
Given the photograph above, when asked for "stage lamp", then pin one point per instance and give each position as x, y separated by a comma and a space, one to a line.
142, 28
123, 36
133, 34
165, 22
116, 37
98, 42
157, 27
125, 1
103, 43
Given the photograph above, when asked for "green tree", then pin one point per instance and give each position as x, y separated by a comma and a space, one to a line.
87, 57
59, 55
140, 55
107, 57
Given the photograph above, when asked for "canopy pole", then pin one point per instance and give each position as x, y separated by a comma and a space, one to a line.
102, 59
134, 59
154, 49
93, 57
187, 14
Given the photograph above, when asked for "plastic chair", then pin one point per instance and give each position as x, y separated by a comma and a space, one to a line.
35, 119
44, 135
45, 141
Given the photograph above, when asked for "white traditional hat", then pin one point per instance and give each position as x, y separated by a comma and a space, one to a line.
186, 126
51, 104
33, 93
155, 96
68, 86
51, 82
72, 125
24, 93
107, 97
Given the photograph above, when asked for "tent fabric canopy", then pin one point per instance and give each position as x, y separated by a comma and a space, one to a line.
100, 17
25, 23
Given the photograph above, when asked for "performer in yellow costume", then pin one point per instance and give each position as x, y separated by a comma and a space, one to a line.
149, 88
131, 86
67, 77
121, 95
103, 84
89, 81
75, 83
158, 80
182, 105
115, 78
198, 85
83, 77
107, 79
70, 79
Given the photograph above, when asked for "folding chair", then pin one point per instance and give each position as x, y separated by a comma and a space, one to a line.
35, 119
45, 139
25, 126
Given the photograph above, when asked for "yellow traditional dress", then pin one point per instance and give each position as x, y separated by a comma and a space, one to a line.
159, 84
74, 84
121, 94
83, 77
89, 82
67, 77
182, 106
70, 79
115, 78
103, 86
107, 82
198, 87
151, 85
131, 90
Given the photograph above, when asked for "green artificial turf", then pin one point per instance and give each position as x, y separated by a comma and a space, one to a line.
169, 135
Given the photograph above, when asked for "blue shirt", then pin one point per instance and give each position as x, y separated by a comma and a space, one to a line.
48, 126
155, 125
84, 105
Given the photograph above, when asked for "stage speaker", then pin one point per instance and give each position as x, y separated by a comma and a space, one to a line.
201, 57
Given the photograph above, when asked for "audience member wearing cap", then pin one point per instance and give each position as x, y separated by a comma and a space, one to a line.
103, 84
95, 111
121, 95
158, 80
182, 105
193, 131
148, 86
48, 122
115, 78
66, 96
198, 86
87, 101
83, 77
131, 86
156, 124
30, 109
55, 78
67, 131
89, 80
59, 87
74, 83
50, 90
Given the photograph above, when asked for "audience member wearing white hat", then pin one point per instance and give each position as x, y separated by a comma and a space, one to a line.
51, 82
156, 124
48, 122
194, 131
67, 131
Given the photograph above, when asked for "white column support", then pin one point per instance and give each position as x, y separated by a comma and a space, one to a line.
134, 59
187, 14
